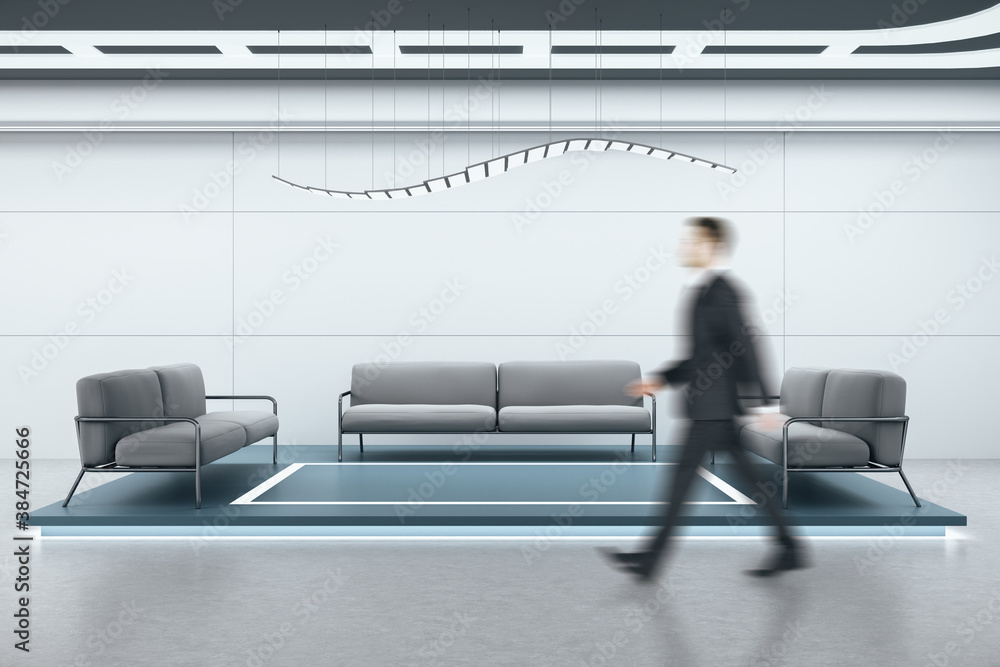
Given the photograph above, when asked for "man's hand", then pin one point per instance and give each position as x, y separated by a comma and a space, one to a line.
770, 421
640, 387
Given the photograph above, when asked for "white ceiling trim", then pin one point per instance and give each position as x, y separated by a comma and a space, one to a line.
687, 53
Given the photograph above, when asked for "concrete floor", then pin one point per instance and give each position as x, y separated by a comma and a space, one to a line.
866, 601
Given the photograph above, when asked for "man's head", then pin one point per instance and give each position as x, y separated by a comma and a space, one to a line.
704, 242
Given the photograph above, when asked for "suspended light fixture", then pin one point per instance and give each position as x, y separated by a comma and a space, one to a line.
504, 163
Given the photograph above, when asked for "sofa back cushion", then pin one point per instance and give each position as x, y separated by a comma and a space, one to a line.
567, 383
128, 393
802, 391
183, 390
868, 393
431, 382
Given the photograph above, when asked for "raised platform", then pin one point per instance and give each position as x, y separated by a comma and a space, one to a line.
500, 491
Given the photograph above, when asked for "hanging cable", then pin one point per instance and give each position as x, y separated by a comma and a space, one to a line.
395, 167
326, 143
371, 39
278, 142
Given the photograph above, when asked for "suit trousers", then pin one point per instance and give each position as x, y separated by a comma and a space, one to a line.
704, 435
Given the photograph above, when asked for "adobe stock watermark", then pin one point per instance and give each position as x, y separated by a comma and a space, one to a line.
302, 611
592, 490
245, 151
748, 335
297, 274
913, 168
426, 145
715, 28
776, 652
900, 15
958, 297
32, 23
971, 627
879, 547
88, 310
434, 480
551, 190
595, 319
101, 639
562, 12
419, 321
608, 651
458, 626
121, 108
756, 158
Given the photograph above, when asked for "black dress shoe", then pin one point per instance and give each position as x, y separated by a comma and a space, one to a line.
634, 562
623, 558
789, 558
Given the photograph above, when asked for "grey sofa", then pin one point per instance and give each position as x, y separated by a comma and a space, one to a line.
835, 420
155, 419
538, 397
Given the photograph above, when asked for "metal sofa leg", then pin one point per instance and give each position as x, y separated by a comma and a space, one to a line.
274, 439
633, 442
361, 441
340, 445
909, 488
75, 484
784, 487
713, 456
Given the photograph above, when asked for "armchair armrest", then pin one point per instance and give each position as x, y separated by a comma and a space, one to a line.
263, 398
784, 430
197, 428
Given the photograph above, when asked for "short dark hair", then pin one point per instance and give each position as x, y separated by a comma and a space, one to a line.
719, 230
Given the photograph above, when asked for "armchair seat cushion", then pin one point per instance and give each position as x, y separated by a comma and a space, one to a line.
574, 419
418, 418
257, 423
173, 444
808, 446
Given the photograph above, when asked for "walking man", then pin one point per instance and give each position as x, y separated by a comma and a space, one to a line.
721, 358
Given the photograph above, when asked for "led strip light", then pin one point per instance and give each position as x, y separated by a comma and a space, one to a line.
504, 163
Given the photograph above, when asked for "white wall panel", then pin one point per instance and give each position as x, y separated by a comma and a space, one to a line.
476, 273
108, 171
893, 171
902, 273
116, 274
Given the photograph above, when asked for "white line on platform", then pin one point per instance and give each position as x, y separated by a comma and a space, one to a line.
485, 502
248, 497
726, 488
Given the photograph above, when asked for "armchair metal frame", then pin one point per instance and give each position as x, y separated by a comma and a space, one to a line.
114, 467
361, 444
274, 403
871, 467
196, 469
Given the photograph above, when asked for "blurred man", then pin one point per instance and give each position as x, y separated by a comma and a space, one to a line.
721, 358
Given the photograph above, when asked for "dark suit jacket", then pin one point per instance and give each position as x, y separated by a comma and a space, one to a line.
723, 361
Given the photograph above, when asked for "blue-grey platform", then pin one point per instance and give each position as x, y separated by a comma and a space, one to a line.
501, 491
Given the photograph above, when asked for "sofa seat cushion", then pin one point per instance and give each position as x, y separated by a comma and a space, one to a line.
173, 444
257, 423
808, 446
574, 419
418, 417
